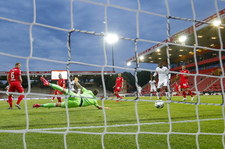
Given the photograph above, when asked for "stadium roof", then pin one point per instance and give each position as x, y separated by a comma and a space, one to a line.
206, 35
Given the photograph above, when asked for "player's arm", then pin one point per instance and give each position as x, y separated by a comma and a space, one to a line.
114, 85
122, 83
100, 107
8, 77
177, 76
154, 75
20, 78
186, 75
76, 82
64, 84
168, 73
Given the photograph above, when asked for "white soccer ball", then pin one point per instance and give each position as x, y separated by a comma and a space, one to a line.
159, 104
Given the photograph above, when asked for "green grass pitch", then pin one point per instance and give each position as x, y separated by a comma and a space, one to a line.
152, 121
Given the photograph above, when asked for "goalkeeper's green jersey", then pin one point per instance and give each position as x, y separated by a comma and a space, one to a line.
88, 101
87, 98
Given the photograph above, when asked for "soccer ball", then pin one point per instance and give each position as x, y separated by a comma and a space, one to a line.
159, 104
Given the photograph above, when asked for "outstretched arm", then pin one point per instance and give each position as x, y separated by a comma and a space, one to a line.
100, 107
77, 83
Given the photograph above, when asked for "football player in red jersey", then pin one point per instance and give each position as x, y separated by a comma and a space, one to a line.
184, 86
15, 84
118, 85
61, 82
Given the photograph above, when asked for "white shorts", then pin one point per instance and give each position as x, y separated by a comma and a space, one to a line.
162, 83
153, 89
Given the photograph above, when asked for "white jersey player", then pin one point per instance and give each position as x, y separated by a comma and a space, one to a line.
152, 85
72, 85
73, 89
163, 80
139, 90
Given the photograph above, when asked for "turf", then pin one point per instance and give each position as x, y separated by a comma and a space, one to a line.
153, 129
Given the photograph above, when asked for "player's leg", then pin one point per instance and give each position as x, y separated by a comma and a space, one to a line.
190, 93
55, 93
71, 104
59, 98
20, 89
189, 90
184, 94
71, 100
183, 91
116, 92
168, 97
10, 101
10, 97
151, 92
54, 86
47, 105
167, 89
158, 93
159, 86
154, 90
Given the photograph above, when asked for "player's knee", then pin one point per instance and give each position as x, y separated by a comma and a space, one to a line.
21, 96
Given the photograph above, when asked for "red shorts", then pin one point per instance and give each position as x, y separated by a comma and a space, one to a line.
58, 92
16, 86
184, 85
117, 89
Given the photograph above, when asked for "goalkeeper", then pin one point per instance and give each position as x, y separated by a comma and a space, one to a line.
74, 100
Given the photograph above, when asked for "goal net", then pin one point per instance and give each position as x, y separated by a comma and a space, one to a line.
72, 35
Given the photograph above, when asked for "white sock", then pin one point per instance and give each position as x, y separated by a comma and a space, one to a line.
158, 95
168, 95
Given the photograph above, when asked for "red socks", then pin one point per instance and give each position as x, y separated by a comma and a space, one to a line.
184, 94
10, 100
117, 95
190, 93
20, 98
59, 99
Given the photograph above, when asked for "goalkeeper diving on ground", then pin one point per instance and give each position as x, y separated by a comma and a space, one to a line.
87, 98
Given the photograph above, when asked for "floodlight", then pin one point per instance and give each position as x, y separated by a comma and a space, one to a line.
182, 38
128, 63
111, 38
141, 57
216, 22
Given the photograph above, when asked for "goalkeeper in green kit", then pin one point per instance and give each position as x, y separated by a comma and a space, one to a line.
74, 100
